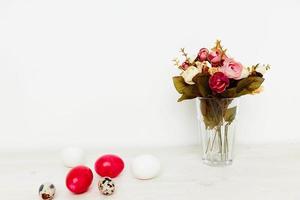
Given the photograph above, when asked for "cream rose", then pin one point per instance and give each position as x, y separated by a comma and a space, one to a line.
189, 74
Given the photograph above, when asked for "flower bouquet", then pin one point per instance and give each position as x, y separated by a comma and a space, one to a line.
217, 80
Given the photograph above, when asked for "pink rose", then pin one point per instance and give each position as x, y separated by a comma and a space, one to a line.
215, 57
231, 68
218, 82
202, 55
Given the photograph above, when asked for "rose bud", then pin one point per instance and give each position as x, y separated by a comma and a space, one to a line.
218, 82
215, 57
202, 55
184, 65
231, 68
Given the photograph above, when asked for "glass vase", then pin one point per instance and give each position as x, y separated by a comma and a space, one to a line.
217, 119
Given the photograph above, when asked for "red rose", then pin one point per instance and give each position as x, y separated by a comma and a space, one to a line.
202, 55
218, 82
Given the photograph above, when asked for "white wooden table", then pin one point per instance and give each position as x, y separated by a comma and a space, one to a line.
266, 172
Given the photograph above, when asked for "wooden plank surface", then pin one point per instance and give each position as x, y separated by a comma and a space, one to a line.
258, 172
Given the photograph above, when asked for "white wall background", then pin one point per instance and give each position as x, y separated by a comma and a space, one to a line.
98, 73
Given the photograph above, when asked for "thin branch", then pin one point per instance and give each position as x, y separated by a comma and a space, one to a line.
182, 50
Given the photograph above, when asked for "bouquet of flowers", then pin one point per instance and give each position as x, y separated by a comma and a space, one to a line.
216, 80
215, 75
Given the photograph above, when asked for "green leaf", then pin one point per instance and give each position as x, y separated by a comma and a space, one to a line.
248, 85
189, 92
201, 81
185, 97
230, 114
179, 84
229, 93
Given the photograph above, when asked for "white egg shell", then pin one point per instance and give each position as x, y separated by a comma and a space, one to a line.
72, 156
145, 167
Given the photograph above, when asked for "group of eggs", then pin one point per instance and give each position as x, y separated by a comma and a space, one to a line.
108, 166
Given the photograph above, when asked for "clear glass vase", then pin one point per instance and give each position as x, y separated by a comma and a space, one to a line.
217, 119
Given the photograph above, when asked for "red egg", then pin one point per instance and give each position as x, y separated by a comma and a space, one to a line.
79, 179
109, 165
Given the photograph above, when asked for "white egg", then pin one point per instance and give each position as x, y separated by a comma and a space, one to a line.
72, 156
145, 167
